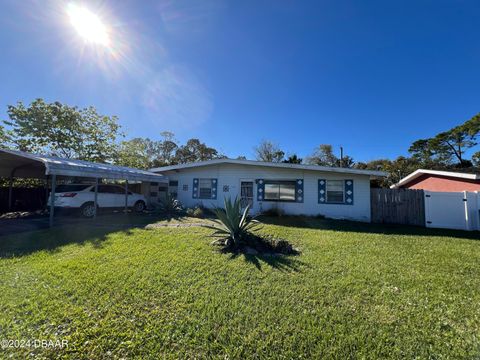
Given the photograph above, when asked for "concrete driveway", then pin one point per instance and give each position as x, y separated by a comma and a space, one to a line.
108, 219
15, 226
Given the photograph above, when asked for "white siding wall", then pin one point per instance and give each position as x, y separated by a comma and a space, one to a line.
232, 175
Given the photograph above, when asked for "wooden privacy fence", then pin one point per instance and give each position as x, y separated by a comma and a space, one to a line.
398, 206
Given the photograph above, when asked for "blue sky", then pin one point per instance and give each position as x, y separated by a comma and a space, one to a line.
371, 76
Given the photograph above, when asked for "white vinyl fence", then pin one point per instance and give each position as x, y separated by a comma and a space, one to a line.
452, 210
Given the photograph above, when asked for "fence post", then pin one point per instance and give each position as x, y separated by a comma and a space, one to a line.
465, 204
472, 214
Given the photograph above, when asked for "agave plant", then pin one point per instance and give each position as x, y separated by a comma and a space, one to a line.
233, 224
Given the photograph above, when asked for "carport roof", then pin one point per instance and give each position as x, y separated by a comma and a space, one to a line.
27, 165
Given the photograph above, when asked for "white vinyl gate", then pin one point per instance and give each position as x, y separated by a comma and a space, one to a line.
452, 210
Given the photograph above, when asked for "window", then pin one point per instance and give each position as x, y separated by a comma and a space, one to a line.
173, 183
185, 187
163, 188
68, 188
335, 191
109, 189
205, 188
279, 191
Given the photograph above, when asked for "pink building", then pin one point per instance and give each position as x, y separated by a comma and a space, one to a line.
434, 180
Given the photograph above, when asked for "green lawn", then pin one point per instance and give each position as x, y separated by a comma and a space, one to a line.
356, 291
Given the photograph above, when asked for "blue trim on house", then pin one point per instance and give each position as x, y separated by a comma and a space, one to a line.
195, 188
322, 191
214, 188
348, 192
260, 189
299, 190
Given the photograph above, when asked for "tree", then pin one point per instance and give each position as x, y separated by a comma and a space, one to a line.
194, 151
396, 169
139, 153
293, 159
269, 152
62, 130
4, 138
449, 146
377, 164
346, 162
399, 168
168, 146
476, 159
323, 155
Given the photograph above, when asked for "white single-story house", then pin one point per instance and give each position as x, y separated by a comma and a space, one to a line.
293, 189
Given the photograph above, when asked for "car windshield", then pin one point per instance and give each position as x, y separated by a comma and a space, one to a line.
69, 188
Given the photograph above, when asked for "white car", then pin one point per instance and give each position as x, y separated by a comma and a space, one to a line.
82, 196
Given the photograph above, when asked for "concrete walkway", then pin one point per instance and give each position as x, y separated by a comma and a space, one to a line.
176, 225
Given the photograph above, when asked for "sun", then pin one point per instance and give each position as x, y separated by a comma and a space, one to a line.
88, 25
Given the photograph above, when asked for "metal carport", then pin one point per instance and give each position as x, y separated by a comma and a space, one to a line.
19, 164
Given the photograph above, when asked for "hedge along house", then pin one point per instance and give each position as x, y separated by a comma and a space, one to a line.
290, 188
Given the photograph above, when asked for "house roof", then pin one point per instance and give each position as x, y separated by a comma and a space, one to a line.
270, 164
421, 172
28, 165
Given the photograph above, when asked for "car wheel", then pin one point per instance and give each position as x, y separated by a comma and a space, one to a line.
139, 206
87, 210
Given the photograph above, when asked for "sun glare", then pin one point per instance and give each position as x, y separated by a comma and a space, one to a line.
88, 25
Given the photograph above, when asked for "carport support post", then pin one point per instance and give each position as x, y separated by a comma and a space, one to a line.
10, 193
52, 199
46, 193
126, 196
95, 199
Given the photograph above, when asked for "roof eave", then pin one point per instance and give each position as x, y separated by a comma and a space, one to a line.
371, 173
420, 172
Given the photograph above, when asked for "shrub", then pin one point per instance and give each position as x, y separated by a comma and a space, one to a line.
198, 212
274, 212
280, 246
170, 205
271, 245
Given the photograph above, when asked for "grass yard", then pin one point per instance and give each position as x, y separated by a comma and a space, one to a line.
357, 291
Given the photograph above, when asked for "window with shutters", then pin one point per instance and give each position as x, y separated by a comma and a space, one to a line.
205, 188
279, 190
335, 190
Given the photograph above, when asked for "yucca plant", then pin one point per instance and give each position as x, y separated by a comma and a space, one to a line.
233, 224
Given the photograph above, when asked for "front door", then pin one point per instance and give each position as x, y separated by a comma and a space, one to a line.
246, 193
